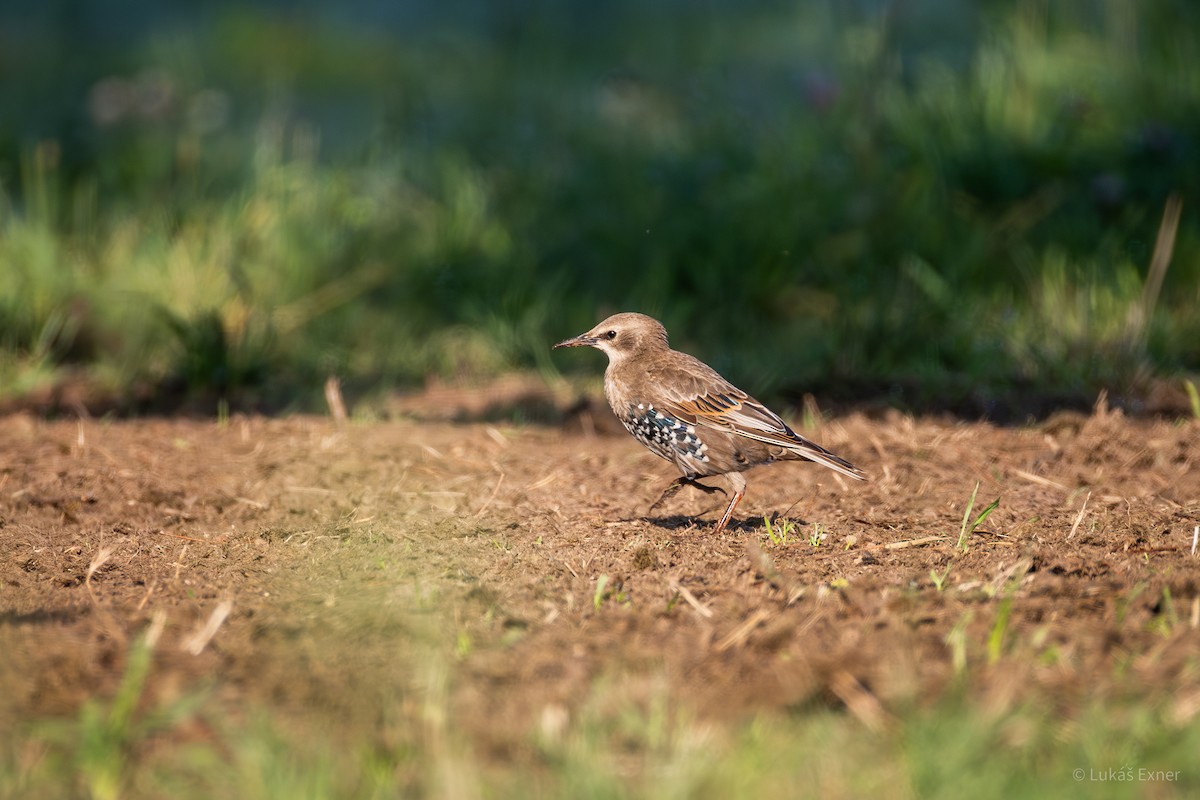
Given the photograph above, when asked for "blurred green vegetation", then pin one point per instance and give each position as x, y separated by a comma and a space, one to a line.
621, 746
928, 205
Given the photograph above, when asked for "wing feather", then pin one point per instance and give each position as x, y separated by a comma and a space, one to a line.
700, 396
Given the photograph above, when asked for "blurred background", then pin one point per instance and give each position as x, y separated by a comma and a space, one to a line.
958, 206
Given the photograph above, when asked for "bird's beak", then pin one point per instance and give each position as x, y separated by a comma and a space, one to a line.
582, 340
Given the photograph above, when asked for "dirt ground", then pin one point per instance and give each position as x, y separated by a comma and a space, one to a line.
322, 571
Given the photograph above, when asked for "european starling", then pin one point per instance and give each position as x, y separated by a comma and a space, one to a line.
682, 410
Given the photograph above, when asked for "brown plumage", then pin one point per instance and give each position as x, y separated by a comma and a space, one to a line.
682, 410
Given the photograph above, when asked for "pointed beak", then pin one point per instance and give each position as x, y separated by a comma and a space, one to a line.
582, 340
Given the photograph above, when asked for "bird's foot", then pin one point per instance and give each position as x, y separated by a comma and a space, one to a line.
677, 484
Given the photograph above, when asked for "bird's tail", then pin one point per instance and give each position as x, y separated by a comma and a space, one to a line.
814, 452
799, 447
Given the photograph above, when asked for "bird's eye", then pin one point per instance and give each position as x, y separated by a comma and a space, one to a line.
611, 334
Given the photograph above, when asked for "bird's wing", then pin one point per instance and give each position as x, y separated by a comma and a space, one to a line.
716, 403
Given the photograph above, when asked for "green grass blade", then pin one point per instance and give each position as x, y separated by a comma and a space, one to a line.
992, 506
962, 532
1193, 398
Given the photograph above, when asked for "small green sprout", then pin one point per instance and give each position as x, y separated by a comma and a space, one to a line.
1193, 397
598, 597
781, 534
939, 581
966, 530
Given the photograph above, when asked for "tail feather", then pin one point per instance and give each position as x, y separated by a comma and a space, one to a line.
811, 451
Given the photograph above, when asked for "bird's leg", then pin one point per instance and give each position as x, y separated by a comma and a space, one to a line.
738, 483
683, 480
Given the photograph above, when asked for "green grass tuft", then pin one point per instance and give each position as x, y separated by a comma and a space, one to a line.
780, 533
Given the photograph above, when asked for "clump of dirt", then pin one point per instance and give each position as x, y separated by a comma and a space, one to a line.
522, 559
644, 558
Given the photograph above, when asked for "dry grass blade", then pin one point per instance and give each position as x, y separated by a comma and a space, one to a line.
252, 503
682, 591
179, 563
860, 702
738, 636
146, 597
1029, 476
99, 560
491, 497
190, 538
1160, 260
546, 481
158, 621
333, 398
199, 640
924, 540
1079, 518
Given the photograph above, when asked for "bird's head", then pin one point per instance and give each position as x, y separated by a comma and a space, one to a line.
621, 336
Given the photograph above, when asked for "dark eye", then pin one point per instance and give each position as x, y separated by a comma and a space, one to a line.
611, 334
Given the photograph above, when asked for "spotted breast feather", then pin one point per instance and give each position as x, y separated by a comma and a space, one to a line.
664, 434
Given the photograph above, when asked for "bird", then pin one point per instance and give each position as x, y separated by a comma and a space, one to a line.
682, 410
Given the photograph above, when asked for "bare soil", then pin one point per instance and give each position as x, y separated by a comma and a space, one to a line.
350, 558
